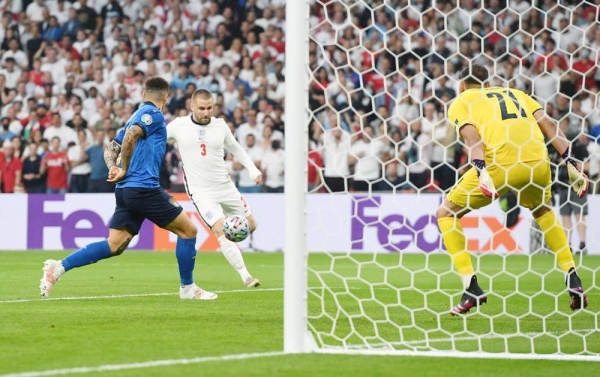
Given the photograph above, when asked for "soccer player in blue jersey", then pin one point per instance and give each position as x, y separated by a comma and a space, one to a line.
141, 145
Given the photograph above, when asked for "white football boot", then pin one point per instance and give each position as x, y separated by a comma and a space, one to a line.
193, 292
252, 282
53, 269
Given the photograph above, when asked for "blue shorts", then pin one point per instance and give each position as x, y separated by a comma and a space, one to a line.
134, 205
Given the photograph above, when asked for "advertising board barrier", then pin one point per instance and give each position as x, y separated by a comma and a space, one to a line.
335, 223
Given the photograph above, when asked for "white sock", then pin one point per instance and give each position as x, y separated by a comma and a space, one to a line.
233, 254
186, 287
61, 269
466, 280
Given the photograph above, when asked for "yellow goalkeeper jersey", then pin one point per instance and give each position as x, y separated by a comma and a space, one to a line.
504, 120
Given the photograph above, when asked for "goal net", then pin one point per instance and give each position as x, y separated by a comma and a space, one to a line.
382, 157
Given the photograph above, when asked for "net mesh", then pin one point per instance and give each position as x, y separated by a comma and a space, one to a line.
383, 157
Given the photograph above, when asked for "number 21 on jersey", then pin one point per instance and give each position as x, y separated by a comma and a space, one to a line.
502, 102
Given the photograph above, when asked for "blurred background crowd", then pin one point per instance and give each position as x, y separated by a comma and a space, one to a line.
72, 73
383, 75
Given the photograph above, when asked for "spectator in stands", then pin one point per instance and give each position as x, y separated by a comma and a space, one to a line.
44, 145
417, 150
5, 134
10, 169
367, 156
315, 167
35, 45
545, 84
60, 9
56, 167
569, 34
37, 140
99, 170
78, 160
182, 79
394, 179
442, 52
269, 134
111, 9
562, 107
430, 117
442, 155
578, 119
245, 183
251, 126
11, 73
406, 111
273, 168
547, 62
569, 203
53, 32
18, 147
586, 70
64, 133
17, 54
261, 95
73, 27
12, 113
32, 178
35, 11
335, 159
87, 16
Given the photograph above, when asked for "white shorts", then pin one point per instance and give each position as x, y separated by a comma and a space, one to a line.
213, 206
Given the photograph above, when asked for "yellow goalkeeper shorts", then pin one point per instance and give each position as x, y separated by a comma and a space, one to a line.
529, 180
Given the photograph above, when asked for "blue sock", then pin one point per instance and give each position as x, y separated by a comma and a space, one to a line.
89, 254
185, 251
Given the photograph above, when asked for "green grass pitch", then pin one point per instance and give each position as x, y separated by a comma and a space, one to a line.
126, 310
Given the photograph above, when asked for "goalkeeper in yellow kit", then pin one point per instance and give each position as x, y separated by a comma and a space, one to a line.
504, 131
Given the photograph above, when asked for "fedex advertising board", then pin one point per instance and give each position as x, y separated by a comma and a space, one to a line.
335, 223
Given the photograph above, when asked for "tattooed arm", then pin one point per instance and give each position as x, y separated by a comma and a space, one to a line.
111, 153
133, 134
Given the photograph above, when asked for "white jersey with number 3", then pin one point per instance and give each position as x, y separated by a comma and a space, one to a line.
202, 149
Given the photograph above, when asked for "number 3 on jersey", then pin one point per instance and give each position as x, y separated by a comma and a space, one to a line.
202, 149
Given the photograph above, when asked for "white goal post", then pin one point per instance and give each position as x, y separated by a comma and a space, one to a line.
377, 279
296, 139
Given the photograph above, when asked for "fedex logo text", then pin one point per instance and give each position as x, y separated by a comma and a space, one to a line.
498, 236
75, 227
395, 232
399, 231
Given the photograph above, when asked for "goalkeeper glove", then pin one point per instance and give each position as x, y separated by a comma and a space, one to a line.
486, 185
579, 181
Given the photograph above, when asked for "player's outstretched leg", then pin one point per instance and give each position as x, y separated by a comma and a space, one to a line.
185, 251
233, 254
117, 242
456, 244
555, 237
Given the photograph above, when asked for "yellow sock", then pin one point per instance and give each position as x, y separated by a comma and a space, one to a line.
555, 237
456, 244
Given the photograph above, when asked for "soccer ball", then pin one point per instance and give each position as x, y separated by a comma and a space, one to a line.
236, 228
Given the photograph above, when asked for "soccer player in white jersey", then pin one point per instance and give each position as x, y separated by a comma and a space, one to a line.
202, 140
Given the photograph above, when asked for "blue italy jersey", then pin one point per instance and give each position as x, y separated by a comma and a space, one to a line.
149, 152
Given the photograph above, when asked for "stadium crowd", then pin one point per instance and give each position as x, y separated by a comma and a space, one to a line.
383, 75
386, 73
72, 73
